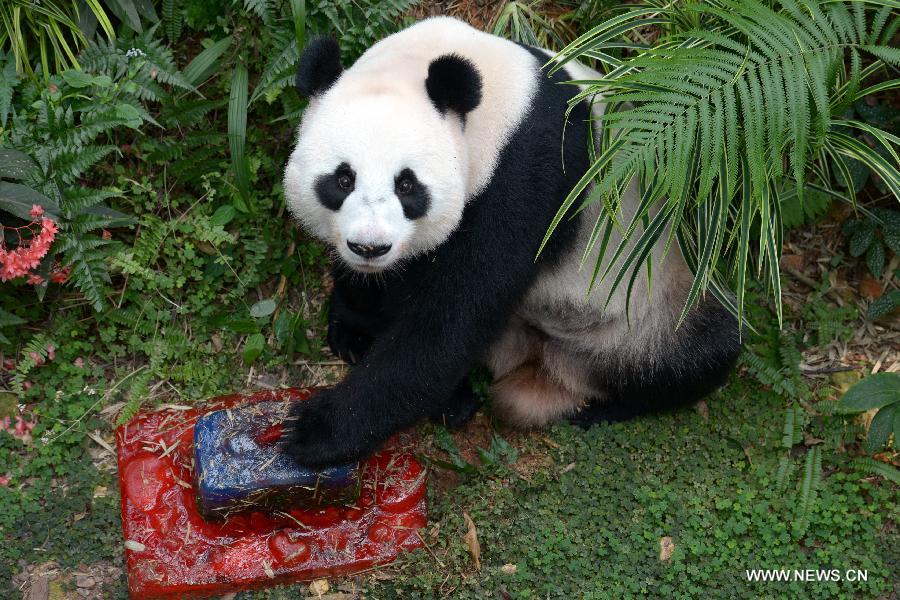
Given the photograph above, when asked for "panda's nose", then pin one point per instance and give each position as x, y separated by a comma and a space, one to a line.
369, 250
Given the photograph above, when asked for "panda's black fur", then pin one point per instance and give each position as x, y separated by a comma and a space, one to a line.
414, 334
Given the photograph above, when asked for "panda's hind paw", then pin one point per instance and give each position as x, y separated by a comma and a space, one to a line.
460, 409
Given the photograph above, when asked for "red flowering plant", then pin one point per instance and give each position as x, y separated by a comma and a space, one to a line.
33, 241
29, 225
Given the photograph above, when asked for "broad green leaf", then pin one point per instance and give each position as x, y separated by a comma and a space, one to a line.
77, 79
282, 327
862, 238
223, 215
875, 391
881, 427
253, 347
263, 308
235, 324
896, 428
298, 12
127, 12
875, 259
18, 199
884, 305
15, 164
129, 113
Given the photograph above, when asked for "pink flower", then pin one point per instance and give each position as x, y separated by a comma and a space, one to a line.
4, 480
34, 279
79, 362
36, 210
22, 428
27, 255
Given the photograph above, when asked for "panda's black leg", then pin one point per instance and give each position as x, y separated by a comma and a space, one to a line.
353, 318
347, 343
600, 410
461, 407
697, 362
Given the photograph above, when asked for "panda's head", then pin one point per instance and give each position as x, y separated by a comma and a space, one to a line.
380, 167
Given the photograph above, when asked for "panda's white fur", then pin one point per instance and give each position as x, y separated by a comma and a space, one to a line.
380, 101
560, 349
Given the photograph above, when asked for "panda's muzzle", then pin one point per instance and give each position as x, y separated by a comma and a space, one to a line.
369, 250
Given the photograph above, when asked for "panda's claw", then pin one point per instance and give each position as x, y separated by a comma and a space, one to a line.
347, 344
461, 408
320, 434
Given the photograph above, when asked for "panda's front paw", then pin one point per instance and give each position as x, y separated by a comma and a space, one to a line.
323, 432
348, 344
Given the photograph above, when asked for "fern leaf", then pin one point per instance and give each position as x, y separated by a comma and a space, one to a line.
812, 477
173, 20
888, 54
87, 257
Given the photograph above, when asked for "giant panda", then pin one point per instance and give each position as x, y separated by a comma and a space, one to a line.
431, 169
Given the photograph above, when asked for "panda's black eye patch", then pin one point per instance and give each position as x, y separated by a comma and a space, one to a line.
333, 188
412, 193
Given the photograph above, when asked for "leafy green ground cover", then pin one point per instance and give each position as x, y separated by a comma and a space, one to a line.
566, 513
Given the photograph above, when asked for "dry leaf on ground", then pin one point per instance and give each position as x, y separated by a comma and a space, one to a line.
471, 540
666, 548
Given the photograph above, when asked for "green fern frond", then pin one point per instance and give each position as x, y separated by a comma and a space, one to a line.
261, 8
870, 465
71, 164
36, 346
713, 120
770, 376
812, 478
87, 256
142, 320
173, 20
78, 199
279, 72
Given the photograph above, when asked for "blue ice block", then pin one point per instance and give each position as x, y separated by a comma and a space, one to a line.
237, 465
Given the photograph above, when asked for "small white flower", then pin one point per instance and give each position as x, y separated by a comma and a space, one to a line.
134, 52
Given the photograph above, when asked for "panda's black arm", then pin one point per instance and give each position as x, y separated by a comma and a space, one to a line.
355, 314
462, 297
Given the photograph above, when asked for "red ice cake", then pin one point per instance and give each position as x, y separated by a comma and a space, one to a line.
174, 552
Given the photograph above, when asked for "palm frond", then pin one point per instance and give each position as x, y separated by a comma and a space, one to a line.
719, 121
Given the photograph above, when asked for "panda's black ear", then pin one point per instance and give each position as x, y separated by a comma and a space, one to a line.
320, 66
453, 83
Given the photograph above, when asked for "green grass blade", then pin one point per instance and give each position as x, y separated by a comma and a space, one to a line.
237, 133
205, 62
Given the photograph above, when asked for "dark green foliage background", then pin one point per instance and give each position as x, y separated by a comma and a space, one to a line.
191, 303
